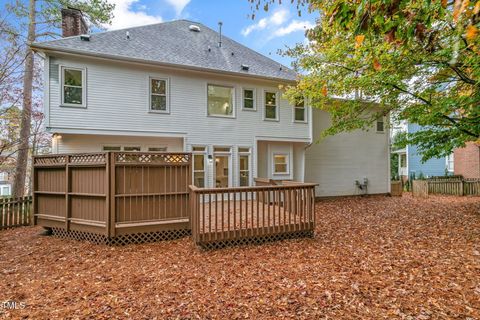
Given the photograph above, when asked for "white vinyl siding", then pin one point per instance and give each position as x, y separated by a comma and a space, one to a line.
337, 161
121, 106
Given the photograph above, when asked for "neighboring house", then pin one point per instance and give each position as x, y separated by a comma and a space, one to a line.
5, 185
410, 161
467, 160
180, 86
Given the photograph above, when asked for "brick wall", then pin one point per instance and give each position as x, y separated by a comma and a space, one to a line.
467, 161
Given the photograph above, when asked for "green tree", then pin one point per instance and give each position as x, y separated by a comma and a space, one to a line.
41, 19
419, 60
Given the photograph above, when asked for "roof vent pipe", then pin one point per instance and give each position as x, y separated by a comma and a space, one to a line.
194, 28
220, 24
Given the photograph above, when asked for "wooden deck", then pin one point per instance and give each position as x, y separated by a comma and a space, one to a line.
251, 213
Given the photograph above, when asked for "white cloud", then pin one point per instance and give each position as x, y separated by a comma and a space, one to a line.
277, 18
125, 16
293, 26
178, 5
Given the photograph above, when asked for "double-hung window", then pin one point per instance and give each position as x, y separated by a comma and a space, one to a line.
73, 87
300, 111
271, 109
280, 164
380, 125
249, 99
450, 162
121, 148
220, 100
159, 95
244, 166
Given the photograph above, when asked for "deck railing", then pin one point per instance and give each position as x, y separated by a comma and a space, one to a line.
15, 212
251, 214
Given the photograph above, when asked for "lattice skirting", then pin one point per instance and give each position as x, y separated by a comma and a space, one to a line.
218, 244
134, 238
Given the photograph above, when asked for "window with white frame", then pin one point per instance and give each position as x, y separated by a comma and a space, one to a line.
3, 176
380, 125
73, 86
299, 111
403, 160
199, 157
244, 166
271, 112
121, 148
280, 164
157, 149
249, 99
112, 148
158, 95
131, 148
220, 100
450, 163
5, 190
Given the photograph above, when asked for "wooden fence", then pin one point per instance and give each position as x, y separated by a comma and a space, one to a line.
252, 214
15, 212
112, 194
457, 187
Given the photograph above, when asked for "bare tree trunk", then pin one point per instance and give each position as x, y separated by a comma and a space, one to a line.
22, 157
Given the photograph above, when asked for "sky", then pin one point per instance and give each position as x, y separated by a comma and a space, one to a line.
278, 28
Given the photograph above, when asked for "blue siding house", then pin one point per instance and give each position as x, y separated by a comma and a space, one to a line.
410, 161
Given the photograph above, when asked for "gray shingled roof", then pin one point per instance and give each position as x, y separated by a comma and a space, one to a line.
172, 43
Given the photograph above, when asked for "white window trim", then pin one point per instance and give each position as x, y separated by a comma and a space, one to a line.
84, 87
8, 188
254, 99
249, 154
132, 146
156, 146
205, 161
376, 125
447, 158
234, 109
112, 145
287, 157
277, 111
167, 95
305, 113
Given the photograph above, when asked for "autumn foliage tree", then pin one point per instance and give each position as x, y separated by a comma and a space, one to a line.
419, 60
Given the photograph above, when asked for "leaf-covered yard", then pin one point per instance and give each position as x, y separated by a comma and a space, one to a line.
375, 257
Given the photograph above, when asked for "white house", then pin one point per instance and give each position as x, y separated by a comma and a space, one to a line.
179, 86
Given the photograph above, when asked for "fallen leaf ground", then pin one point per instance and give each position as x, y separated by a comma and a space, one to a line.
375, 257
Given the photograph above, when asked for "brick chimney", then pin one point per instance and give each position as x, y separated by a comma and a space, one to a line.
73, 23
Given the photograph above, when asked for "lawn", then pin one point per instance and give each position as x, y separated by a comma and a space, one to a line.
374, 257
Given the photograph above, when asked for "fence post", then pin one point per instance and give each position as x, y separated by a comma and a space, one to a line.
462, 187
111, 193
67, 196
